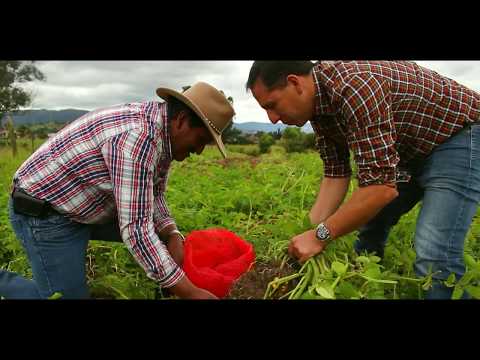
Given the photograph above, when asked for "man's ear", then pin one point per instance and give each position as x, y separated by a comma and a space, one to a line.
180, 121
295, 81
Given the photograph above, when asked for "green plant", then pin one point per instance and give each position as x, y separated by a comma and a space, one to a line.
265, 143
294, 140
266, 202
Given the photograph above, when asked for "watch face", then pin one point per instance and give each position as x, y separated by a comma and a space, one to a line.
322, 232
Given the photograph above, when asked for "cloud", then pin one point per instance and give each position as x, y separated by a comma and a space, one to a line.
93, 84
464, 72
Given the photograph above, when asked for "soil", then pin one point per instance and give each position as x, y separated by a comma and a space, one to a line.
253, 284
254, 162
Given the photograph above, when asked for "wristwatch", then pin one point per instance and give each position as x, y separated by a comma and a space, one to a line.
322, 233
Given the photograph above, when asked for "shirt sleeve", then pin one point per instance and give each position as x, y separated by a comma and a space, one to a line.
335, 157
365, 104
130, 161
161, 213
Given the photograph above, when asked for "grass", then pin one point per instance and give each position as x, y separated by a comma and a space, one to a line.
263, 198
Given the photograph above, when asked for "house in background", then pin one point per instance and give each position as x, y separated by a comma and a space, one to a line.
3, 133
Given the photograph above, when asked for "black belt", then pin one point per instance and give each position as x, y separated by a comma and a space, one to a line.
470, 124
29, 205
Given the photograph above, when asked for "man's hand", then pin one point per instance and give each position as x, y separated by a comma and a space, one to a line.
185, 289
175, 248
305, 245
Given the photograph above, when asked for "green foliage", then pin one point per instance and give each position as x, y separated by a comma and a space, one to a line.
233, 135
277, 135
264, 199
294, 140
55, 296
12, 74
23, 130
12, 136
266, 142
250, 150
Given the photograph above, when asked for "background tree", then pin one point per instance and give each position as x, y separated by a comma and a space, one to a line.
12, 95
12, 137
265, 143
231, 135
12, 75
277, 135
22, 131
294, 140
309, 141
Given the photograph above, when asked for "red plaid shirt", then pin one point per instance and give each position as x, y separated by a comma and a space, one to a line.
387, 113
112, 162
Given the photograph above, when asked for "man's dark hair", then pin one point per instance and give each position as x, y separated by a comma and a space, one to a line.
175, 106
274, 73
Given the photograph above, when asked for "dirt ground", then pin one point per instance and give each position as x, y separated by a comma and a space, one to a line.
253, 284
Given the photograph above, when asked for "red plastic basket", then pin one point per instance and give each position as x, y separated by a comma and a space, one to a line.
215, 258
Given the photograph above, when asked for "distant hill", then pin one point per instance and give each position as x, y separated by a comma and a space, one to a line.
45, 116
68, 115
253, 127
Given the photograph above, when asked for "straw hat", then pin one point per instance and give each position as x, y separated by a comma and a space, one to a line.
209, 104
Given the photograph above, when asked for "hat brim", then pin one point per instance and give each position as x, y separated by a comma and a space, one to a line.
165, 93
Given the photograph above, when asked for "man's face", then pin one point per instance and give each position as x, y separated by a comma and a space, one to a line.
186, 140
289, 104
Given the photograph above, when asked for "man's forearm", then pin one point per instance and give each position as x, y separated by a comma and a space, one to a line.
330, 196
166, 232
364, 204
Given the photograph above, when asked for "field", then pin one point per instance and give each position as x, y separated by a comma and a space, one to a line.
265, 199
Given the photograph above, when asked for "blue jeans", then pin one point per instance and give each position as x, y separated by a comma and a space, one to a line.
56, 248
448, 182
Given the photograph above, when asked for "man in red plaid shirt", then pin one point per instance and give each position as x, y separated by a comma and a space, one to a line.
103, 177
414, 135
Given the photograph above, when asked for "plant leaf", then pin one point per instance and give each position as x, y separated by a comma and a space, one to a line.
325, 292
55, 296
362, 259
474, 291
339, 268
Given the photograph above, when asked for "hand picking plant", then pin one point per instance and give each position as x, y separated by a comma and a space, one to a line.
338, 273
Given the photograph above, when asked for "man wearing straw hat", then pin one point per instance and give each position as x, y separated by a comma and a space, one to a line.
104, 176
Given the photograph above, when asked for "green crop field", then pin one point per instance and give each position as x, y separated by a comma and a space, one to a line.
265, 199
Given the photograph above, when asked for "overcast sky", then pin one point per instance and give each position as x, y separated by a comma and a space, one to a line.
91, 84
